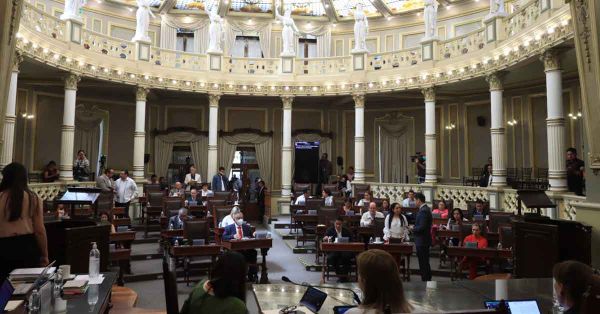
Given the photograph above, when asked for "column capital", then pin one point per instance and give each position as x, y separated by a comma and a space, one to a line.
551, 60
359, 100
71, 81
495, 81
213, 99
287, 101
141, 93
429, 93
16, 62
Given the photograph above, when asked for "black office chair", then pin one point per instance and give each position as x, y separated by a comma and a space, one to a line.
170, 282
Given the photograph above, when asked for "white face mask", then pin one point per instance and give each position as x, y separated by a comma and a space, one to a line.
240, 222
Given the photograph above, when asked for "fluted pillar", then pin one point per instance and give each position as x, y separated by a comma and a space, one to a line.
497, 130
10, 117
286, 148
213, 124
139, 135
555, 123
359, 138
68, 128
430, 136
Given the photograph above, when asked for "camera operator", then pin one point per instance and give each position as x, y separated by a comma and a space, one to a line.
419, 160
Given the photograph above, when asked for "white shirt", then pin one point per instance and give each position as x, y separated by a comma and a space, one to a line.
226, 221
329, 201
366, 218
363, 202
407, 202
490, 181
398, 228
300, 200
188, 177
206, 193
126, 190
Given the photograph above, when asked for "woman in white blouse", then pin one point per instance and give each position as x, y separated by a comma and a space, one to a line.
328, 199
395, 225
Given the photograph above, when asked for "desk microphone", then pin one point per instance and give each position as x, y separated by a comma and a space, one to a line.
304, 284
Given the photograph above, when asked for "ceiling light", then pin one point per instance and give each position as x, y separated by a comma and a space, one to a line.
424, 76
119, 72
389, 18
201, 84
410, 81
450, 72
356, 85
397, 81
315, 88
93, 68
326, 6
462, 70
286, 88
146, 77
132, 76
273, 87
105, 70
160, 79
46, 50
130, 9
383, 83
437, 75
343, 86
258, 87
244, 87
174, 82
448, 7
188, 83
34, 46
56, 56
215, 85
81, 63
230, 86
334, 25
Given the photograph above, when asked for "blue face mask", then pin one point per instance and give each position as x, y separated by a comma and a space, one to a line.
424, 158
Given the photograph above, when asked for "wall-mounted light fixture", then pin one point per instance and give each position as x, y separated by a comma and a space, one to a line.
451, 126
575, 116
512, 122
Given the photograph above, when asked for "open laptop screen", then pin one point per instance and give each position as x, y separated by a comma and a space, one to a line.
517, 306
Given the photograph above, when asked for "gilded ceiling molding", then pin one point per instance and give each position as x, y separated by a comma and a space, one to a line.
429, 93
17, 61
71, 81
245, 130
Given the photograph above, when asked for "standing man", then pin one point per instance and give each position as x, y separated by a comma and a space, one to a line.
575, 171
220, 183
105, 181
192, 178
260, 199
325, 169
126, 191
422, 234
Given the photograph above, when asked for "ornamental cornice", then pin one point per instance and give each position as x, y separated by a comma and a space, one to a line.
18, 58
213, 99
531, 42
359, 100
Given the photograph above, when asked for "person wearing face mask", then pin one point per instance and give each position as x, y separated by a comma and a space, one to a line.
231, 218
368, 218
237, 232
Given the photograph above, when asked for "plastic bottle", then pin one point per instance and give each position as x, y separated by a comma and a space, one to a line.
94, 266
92, 295
58, 282
176, 242
34, 302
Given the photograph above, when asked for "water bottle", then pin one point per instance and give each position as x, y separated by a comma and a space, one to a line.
176, 242
499, 245
371, 240
92, 295
94, 266
34, 302
58, 282
170, 226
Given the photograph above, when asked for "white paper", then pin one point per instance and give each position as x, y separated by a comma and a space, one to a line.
31, 271
96, 281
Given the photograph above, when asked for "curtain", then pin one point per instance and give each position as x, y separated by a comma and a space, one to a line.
163, 150
87, 137
235, 28
324, 145
395, 139
264, 152
168, 35
201, 39
323, 35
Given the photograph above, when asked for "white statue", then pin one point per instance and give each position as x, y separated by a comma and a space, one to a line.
430, 17
142, 17
361, 28
287, 33
215, 30
497, 8
72, 8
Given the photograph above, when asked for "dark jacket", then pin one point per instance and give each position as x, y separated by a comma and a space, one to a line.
231, 230
176, 222
216, 183
422, 229
260, 197
483, 182
346, 233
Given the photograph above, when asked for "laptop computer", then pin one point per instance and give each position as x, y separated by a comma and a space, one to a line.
313, 299
528, 306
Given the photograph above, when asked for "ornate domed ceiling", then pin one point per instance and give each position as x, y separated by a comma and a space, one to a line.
334, 10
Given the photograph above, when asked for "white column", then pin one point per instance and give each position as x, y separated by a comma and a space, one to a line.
10, 117
359, 138
555, 123
286, 149
497, 130
213, 124
68, 128
139, 135
430, 136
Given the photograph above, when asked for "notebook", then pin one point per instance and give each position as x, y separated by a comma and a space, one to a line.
471, 245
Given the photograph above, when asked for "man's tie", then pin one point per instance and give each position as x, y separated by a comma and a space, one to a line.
239, 232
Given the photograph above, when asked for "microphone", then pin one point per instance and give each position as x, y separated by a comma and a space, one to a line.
304, 284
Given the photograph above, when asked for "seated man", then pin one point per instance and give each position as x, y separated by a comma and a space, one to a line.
177, 190
194, 199
473, 262
327, 198
368, 218
192, 178
205, 192
301, 200
177, 221
238, 231
339, 260
479, 210
410, 201
231, 218
153, 179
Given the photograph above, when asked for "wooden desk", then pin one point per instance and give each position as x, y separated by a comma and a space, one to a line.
169, 234
152, 213
351, 221
263, 244
398, 250
440, 221
185, 251
488, 253
125, 237
121, 222
328, 247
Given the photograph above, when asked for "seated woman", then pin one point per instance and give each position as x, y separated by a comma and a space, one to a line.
481, 242
381, 285
327, 198
442, 209
346, 208
457, 218
368, 198
395, 226
105, 219
50, 172
385, 207
225, 290
572, 282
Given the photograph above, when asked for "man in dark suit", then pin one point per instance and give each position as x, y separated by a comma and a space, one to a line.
479, 210
340, 260
238, 231
422, 235
220, 183
260, 199
177, 221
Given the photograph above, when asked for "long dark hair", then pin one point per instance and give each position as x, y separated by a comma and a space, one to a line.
460, 213
228, 276
14, 183
576, 278
391, 215
380, 282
